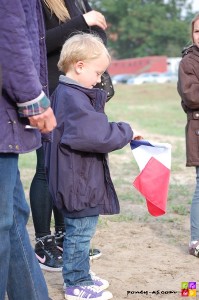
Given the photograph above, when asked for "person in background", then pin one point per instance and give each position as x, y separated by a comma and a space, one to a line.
77, 167
23, 103
188, 89
62, 19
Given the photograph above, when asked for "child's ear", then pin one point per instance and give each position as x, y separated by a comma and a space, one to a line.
79, 66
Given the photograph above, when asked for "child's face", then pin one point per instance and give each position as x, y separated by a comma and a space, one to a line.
90, 72
196, 33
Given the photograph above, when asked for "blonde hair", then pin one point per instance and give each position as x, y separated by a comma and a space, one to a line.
81, 46
58, 8
196, 18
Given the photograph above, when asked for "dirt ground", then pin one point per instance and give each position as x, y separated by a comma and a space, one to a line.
141, 260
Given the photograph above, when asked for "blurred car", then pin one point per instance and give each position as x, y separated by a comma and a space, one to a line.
121, 78
131, 80
167, 77
144, 78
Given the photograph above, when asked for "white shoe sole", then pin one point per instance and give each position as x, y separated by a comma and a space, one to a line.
105, 296
93, 257
50, 269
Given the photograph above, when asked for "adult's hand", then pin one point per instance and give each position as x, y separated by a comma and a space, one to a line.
94, 17
45, 122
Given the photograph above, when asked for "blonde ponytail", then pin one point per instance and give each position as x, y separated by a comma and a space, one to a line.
58, 8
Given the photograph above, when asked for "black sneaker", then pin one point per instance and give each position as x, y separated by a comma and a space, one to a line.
94, 253
59, 238
48, 255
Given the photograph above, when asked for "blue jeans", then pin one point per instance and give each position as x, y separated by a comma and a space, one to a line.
194, 215
20, 273
79, 233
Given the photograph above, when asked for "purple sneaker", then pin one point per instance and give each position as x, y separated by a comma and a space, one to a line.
99, 283
194, 248
86, 292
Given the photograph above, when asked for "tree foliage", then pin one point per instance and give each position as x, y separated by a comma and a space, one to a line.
140, 28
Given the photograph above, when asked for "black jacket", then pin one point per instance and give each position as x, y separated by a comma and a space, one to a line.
77, 167
57, 33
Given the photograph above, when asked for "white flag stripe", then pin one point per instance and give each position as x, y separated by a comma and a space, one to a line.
162, 152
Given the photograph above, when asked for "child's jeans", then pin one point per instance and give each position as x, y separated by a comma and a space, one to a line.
195, 211
79, 233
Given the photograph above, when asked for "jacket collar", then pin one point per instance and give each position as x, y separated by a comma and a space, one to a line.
68, 80
96, 96
191, 48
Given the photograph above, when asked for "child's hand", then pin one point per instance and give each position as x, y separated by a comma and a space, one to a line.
138, 137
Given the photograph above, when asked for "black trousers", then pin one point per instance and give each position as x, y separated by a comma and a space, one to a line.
41, 202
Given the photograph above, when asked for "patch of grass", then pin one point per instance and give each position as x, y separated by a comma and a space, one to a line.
27, 160
123, 218
179, 209
180, 193
155, 108
169, 220
27, 167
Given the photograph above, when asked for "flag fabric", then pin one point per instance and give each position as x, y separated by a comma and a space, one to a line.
154, 162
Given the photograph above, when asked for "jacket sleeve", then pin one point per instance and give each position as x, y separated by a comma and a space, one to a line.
90, 131
188, 84
0, 81
20, 79
55, 37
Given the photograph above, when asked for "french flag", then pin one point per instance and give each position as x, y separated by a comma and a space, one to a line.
154, 162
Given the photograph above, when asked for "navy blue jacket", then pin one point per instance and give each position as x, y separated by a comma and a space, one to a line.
76, 160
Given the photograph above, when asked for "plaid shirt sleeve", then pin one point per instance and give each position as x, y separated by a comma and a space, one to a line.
34, 107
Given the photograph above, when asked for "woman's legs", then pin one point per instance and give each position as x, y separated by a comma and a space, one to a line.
194, 219
59, 221
40, 199
20, 273
194, 215
41, 206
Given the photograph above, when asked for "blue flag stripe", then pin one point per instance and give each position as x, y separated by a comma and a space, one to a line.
134, 144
